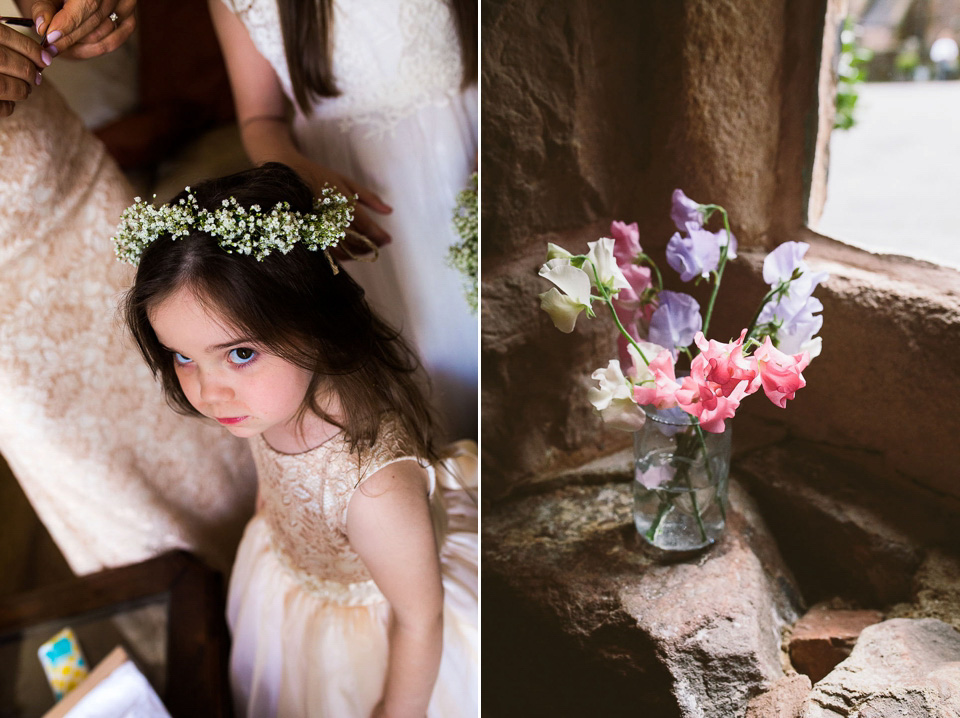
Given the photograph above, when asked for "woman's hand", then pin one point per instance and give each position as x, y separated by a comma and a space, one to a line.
21, 60
81, 29
265, 128
367, 201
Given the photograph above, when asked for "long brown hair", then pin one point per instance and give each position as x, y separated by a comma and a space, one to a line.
294, 306
307, 31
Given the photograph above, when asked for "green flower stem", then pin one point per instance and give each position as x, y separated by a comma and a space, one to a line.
654, 530
605, 296
686, 475
623, 331
720, 267
778, 291
763, 302
683, 473
643, 257
706, 462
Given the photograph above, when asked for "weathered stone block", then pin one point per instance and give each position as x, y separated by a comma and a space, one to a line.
909, 668
784, 699
825, 636
936, 590
579, 620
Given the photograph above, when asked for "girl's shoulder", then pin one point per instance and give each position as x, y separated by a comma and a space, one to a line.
393, 443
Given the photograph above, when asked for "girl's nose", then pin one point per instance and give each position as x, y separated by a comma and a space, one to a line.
215, 387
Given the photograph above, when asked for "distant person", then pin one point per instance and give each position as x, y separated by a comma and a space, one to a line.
943, 54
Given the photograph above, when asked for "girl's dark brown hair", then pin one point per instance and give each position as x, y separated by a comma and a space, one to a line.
293, 305
307, 37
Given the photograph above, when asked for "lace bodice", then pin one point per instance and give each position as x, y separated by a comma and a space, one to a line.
305, 499
390, 57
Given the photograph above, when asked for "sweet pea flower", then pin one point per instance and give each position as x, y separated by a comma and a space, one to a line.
684, 211
656, 476
574, 283
638, 370
796, 311
675, 322
779, 265
608, 274
555, 251
626, 238
662, 392
633, 315
703, 399
798, 323
613, 399
724, 367
780, 373
696, 254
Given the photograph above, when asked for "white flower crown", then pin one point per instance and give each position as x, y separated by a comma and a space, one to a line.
237, 229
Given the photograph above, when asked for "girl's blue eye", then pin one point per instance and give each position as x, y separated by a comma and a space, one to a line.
242, 355
181, 359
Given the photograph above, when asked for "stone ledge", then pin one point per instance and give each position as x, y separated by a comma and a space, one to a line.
579, 620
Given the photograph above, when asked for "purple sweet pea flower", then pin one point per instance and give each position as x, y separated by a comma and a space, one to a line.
675, 322
684, 211
780, 264
696, 254
797, 313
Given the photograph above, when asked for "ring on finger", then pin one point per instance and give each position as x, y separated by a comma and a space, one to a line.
115, 19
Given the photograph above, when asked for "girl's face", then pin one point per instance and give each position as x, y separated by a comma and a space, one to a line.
229, 377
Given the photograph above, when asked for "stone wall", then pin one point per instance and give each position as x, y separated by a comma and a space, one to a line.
591, 115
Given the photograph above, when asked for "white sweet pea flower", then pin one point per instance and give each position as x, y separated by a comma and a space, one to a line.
555, 251
613, 398
574, 283
609, 274
640, 373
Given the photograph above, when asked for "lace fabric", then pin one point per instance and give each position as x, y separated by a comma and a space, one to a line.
316, 645
305, 499
113, 473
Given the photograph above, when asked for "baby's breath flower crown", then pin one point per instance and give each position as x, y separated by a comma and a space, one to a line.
236, 228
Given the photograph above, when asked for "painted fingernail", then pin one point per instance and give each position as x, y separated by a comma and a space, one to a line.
40, 25
52, 49
45, 56
39, 78
54, 36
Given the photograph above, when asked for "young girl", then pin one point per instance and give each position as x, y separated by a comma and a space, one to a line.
354, 592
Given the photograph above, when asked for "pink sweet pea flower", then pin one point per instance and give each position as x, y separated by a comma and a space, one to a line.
780, 373
626, 239
704, 400
661, 392
724, 366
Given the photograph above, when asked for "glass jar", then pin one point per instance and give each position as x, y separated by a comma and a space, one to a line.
680, 481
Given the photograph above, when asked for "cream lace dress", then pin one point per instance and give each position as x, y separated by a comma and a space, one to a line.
404, 127
309, 625
113, 473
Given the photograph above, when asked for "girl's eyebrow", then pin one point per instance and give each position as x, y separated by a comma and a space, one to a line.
213, 347
226, 345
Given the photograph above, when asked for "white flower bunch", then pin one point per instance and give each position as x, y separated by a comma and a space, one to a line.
237, 229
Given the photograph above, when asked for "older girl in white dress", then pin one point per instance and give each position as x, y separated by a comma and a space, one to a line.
380, 109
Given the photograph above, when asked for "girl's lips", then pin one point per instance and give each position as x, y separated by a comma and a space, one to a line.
232, 420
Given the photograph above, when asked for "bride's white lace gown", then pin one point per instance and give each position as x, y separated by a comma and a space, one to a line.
114, 474
403, 126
